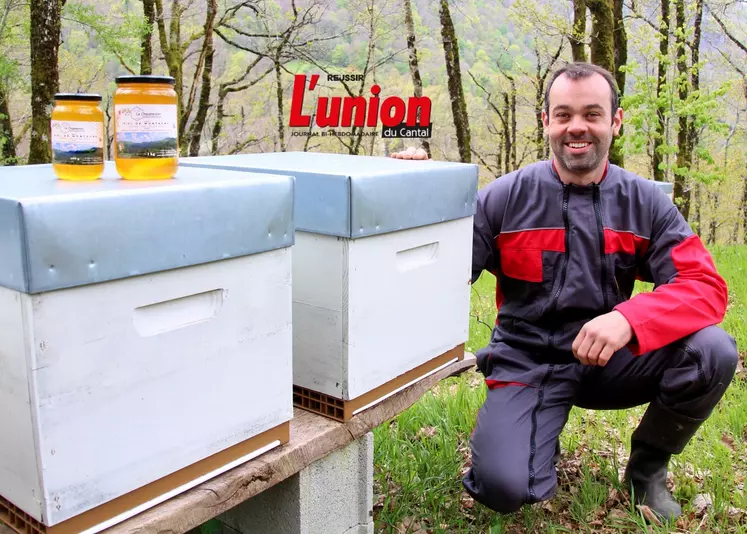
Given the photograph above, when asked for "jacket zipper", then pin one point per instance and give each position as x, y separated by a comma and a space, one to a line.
600, 229
554, 303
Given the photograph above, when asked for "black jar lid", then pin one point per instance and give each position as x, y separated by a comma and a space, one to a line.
87, 97
145, 78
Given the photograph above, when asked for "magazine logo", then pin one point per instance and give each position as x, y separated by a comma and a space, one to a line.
397, 117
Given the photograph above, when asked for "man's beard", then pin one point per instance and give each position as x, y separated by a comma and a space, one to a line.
587, 161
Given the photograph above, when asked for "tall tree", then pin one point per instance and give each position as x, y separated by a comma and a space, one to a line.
578, 36
8, 72
45, 75
681, 192
7, 143
208, 50
417, 83
540, 78
692, 131
657, 157
146, 57
620, 41
603, 36
454, 76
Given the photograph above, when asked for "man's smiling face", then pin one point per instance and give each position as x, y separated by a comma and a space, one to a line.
580, 123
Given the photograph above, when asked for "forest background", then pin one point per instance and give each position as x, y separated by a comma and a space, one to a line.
681, 64
682, 68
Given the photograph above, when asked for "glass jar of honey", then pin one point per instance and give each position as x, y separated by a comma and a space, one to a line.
145, 127
77, 136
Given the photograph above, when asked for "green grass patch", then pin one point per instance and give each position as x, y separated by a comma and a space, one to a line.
421, 455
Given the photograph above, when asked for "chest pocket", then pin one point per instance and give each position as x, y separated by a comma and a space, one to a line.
522, 253
522, 263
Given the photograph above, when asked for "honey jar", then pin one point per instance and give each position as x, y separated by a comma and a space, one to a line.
145, 127
77, 136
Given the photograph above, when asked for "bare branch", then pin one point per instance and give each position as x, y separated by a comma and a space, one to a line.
731, 37
487, 166
490, 102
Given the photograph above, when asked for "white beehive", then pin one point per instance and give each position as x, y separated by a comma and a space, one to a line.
145, 338
667, 187
381, 271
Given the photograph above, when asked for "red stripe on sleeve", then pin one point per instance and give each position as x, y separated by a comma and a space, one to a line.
694, 299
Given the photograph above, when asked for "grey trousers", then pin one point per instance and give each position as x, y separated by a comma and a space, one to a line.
529, 399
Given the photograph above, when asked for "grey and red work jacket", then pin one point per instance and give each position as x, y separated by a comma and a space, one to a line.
564, 254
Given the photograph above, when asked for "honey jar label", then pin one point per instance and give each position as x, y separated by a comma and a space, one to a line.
146, 131
77, 143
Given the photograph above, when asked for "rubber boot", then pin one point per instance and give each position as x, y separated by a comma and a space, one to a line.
661, 433
646, 479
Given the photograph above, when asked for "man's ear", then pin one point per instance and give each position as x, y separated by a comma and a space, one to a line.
545, 122
617, 121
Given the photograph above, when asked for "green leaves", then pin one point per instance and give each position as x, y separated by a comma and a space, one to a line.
118, 31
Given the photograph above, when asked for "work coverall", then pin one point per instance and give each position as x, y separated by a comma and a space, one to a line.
563, 255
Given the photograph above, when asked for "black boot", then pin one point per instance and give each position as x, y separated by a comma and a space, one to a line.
661, 433
646, 479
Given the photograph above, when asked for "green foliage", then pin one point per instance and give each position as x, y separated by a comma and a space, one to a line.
704, 108
339, 56
117, 31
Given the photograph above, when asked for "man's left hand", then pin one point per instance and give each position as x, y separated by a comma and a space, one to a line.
601, 337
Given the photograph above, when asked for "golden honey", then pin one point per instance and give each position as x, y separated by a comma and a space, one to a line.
77, 136
145, 127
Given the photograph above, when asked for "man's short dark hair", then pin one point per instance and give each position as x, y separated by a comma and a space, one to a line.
578, 70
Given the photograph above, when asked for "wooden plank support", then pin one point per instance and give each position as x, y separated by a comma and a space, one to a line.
312, 437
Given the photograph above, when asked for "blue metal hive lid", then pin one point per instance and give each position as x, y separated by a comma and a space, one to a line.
358, 196
56, 234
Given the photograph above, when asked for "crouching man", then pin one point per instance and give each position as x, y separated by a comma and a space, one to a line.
566, 240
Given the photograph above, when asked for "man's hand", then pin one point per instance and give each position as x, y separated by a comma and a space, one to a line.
601, 337
410, 153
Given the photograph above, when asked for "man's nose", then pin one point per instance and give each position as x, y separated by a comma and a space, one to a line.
577, 125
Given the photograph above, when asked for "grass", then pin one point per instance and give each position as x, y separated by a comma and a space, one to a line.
421, 455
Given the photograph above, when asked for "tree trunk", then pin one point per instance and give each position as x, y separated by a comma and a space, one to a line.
621, 45
713, 225
661, 78
417, 83
281, 128
45, 43
692, 132
602, 34
7, 143
218, 125
456, 93
507, 148
578, 45
684, 154
146, 47
621, 59
603, 51
538, 104
171, 46
195, 135
514, 165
